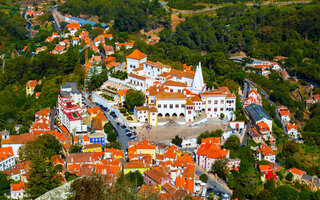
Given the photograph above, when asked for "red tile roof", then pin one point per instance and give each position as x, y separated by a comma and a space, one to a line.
31, 83
291, 126
17, 187
5, 153
265, 150
19, 139
296, 171
212, 151
156, 174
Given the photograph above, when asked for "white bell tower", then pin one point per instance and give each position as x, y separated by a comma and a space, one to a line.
198, 83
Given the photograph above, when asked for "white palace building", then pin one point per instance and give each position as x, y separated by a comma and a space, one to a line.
174, 93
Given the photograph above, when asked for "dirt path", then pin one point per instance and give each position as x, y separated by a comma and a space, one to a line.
166, 133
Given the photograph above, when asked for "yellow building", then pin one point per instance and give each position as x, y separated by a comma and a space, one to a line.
143, 147
135, 166
30, 86
92, 147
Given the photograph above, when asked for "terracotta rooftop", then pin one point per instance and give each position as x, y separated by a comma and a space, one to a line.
136, 54
19, 139
296, 171
17, 187
175, 83
137, 76
170, 96
31, 83
156, 174
90, 146
5, 153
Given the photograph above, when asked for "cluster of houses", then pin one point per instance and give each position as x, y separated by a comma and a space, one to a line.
33, 11
266, 66
290, 128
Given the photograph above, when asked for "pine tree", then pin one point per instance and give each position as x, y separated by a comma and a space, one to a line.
43, 177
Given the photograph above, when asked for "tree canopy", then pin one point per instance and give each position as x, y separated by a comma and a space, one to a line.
135, 98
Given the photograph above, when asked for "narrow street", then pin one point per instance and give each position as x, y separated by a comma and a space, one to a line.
217, 186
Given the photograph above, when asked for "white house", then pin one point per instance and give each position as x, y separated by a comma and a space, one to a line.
17, 190
292, 130
265, 153
7, 158
219, 101
135, 59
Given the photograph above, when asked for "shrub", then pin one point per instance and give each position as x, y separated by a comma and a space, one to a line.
123, 110
125, 114
203, 178
129, 118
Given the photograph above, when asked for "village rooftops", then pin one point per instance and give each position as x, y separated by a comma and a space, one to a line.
137, 76
257, 112
137, 55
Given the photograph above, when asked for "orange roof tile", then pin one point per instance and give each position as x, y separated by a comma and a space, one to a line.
148, 189
122, 93
175, 83
296, 171
17, 187
211, 140
32, 83
291, 126
170, 96
5, 153
90, 146
94, 110
284, 113
109, 59
263, 126
19, 139
212, 151
137, 76
156, 174
179, 74
145, 145
136, 54
264, 167
265, 150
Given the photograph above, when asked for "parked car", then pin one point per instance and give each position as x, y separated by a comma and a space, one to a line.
123, 126
132, 137
129, 135
118, 124
127, 130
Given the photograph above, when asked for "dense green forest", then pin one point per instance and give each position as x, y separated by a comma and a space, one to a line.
128, 16
261, 32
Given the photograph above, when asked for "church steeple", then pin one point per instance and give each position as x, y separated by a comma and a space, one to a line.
198, 83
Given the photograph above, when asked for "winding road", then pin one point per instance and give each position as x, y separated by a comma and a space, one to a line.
164, 4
